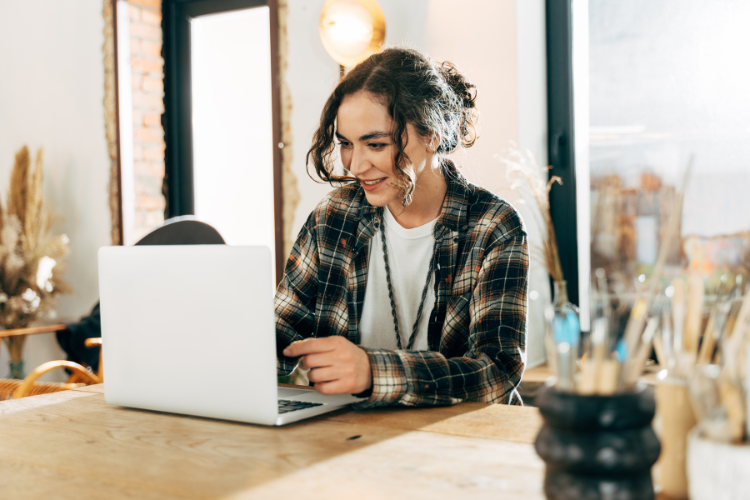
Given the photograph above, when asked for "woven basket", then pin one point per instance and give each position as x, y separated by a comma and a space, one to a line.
8, 386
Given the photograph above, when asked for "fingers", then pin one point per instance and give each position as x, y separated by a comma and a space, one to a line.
308, 346
334, 387
323, 375
319, 360
337, 365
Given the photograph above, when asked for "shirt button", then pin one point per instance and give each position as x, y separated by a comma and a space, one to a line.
455, 240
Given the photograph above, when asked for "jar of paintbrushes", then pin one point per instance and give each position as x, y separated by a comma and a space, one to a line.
718, 452
676, 348
597, 440
700, 351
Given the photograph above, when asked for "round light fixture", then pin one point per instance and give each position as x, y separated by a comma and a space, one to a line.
351, 30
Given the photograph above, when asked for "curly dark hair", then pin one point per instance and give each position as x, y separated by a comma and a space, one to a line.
434, 97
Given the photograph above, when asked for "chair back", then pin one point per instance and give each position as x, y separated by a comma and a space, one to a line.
184, 230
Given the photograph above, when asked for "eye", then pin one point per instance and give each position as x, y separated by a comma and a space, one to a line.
377, 146
345, 144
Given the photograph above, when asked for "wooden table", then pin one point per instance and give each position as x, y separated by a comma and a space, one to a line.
533, 379
74, 445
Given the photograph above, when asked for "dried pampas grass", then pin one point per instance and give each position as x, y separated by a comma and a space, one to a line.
28, 253
33, 219
19, 185
529, 180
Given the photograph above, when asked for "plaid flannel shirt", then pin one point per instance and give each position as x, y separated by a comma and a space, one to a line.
477, 329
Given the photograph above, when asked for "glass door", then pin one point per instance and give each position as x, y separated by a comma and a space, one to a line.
232, 125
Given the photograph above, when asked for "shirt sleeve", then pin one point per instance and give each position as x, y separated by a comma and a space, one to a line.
491, 368
295, 299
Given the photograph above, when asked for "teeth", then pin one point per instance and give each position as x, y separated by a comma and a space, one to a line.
372, 183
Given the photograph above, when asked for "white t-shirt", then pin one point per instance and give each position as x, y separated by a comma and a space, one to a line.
409, 254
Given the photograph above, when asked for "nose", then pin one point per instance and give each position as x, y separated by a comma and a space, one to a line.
358, 162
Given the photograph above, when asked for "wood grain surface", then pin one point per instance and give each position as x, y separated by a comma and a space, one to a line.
74, 445
19, 332
96, 388
509, 423
537, 375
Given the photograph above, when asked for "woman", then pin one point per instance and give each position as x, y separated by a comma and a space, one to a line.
408, 284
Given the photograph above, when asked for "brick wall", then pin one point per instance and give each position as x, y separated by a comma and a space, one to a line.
110, 117
147, 68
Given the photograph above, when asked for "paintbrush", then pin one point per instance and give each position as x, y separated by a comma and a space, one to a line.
715, 324
694, 314
678, 320
601, 282
634, 366
734, 341
661, 356
599, 339
610, 374
670, 235
668, 342
634, 327
590, 373
741, 323
633, 330
608, 378
726, 332
709, 338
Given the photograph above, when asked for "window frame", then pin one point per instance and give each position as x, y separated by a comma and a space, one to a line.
561, 139
177, 117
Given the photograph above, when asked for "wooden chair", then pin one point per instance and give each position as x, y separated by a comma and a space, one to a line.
177, 231
80, 375
30, 387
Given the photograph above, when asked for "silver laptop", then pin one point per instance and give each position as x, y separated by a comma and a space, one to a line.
190, 329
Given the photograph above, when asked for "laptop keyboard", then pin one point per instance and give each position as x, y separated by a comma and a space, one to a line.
285, 406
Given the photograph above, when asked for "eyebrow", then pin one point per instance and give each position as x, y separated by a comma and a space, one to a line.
366, 137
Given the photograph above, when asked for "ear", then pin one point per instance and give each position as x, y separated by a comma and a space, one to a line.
434, 142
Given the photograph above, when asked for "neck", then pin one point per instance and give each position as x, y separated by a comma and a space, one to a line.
427, 200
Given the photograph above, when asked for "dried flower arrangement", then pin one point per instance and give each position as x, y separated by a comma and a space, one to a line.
528, 179
562, 326
28, 255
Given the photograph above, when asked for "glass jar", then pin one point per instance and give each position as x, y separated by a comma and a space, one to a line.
562, 337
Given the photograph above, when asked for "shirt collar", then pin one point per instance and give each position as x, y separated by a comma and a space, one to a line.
453, 215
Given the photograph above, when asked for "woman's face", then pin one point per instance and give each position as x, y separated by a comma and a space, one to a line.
367, 151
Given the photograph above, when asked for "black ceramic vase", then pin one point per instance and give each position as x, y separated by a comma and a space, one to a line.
597, 447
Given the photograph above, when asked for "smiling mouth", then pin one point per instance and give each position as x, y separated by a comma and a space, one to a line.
372, 182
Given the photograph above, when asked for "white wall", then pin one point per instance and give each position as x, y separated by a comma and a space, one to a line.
51, 96
499, 44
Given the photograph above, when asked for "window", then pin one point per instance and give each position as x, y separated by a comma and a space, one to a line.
654, 83
223, 165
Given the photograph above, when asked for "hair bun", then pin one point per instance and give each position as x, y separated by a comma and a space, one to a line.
466, 94
463, 88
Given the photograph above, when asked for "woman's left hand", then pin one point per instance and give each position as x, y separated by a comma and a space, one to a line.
336, 365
